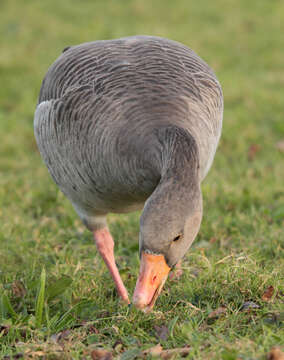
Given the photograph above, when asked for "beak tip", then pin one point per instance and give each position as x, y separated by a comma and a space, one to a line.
139, 301
140, 305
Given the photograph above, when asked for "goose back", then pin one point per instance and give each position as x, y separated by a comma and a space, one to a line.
100, 107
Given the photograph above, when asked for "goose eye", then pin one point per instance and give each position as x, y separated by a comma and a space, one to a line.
177, 238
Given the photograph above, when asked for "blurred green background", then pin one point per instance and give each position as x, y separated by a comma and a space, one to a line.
243, 41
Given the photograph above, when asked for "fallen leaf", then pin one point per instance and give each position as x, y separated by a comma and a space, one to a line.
275, 354
18, 289
162, 332
276, 318
252, 151
249, 305
93, 330
157, 351
280, 145
18, 356
55, 337
101, 354
64, 335
168, 354
268, 293
217, 313
118, 346
36, 354
153, 351
4, 329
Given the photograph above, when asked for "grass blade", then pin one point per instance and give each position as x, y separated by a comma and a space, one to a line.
67, 319
58, 287
6, 305
172, 325
40, 299
3, 311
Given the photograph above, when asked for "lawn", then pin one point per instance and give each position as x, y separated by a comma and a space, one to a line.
57, 301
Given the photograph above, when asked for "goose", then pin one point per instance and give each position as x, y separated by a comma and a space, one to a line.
127, 124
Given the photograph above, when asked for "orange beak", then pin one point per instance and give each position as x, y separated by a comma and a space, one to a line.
153, 274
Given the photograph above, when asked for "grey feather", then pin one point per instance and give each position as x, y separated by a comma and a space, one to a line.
116, 118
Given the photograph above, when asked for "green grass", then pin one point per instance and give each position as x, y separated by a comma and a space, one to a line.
51, 278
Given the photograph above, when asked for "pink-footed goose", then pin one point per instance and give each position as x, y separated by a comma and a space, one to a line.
128, 124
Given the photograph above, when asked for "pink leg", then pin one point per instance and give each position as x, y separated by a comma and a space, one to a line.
105, 246
177, 272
